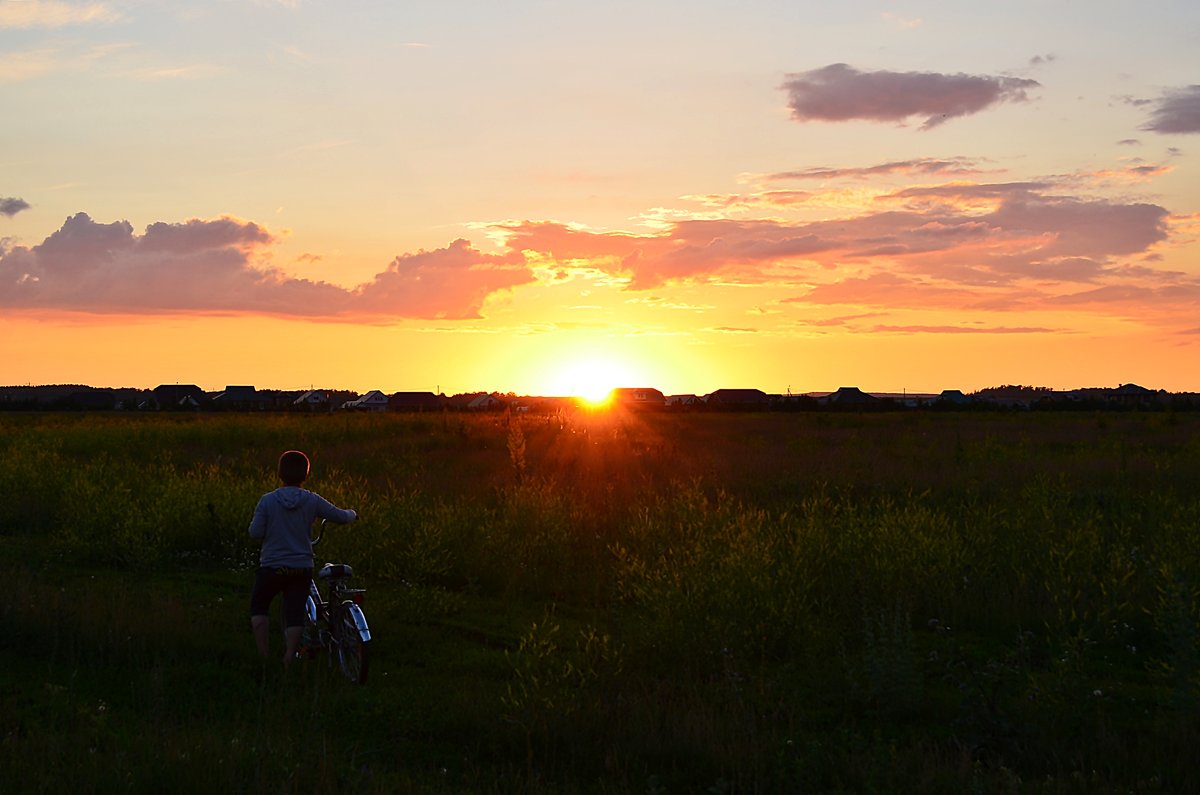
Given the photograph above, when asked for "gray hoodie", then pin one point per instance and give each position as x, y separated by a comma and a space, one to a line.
283, 519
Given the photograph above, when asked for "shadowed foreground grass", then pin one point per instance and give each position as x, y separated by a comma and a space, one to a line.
762, 603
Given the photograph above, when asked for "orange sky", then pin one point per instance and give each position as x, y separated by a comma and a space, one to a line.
288, 195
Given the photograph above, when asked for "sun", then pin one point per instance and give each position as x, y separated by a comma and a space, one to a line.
593, 379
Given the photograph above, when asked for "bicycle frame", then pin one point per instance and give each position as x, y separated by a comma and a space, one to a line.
338, 623
341, 597
349, 599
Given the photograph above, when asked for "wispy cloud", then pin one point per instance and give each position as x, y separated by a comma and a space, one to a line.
922, 166
917, 329
197, 71
1177, 111
904, 23
52, 13
16, 66
840, 92
11, 206
219, 266
28, 64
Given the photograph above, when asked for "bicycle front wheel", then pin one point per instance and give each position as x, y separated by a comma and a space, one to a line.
352, 650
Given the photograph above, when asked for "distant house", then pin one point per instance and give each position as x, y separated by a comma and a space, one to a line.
240, 398
177, 396
485, 402
1134, 396
312, 400
638, 398
372, 401
850, 397
684, 401
952, 398
415, 401
746, 399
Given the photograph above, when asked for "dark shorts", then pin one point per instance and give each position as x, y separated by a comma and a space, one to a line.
292, 583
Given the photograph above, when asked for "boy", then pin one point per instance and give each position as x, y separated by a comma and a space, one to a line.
283, 519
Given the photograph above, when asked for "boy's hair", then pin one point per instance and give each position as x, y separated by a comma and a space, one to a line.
293, 467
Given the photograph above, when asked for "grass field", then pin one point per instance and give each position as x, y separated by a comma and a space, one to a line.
594, 602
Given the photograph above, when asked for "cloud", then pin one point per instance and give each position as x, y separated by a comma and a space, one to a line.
840, 92
1178, 111
1184, 293
52, 14
219, 266
16, 66
772, 198
28, 64
11, 206
925, 166
960, 246
451, 283
689, 250
962, 330
903, 23
892, 291
995, 247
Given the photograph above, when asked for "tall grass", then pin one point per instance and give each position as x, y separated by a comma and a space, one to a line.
747, 603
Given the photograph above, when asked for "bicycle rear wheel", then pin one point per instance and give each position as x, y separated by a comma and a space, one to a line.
352, 650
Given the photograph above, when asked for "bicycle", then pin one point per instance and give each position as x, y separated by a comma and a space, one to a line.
336, 624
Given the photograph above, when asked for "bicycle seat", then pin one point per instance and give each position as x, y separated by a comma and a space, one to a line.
335, 571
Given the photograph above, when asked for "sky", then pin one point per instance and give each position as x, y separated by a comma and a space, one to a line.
559, 197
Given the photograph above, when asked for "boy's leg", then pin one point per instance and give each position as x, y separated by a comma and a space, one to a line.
261, 626
295, 593
266, 585
293, 635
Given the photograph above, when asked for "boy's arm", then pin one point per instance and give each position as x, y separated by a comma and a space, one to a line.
258, 523
327, 510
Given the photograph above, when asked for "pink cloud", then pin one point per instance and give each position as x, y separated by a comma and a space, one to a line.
449, 283
840, 92
939, 232
1184, 294
214, 266
691, 250
890, 290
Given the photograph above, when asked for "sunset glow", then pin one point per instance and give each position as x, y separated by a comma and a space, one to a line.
592, 379
753, 195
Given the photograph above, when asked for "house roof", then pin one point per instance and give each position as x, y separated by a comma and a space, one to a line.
851, 394
636, 394
737, 396
313, 396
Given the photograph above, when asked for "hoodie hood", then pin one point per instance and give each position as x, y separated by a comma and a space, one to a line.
289, 497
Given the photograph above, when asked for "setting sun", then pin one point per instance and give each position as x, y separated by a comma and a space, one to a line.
593, 379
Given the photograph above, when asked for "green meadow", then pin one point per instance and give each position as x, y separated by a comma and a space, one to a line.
609, 603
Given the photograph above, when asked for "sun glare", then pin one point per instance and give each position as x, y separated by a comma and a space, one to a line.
593, 380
